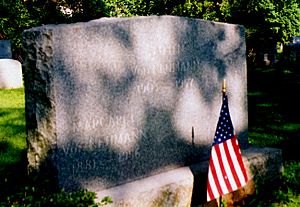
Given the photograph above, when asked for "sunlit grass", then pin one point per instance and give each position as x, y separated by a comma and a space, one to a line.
13, 98
264, 139
287, 71
291, 127
265, 105
256, 93
12, 126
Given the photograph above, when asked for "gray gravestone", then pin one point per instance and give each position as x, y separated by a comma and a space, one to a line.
5, 49
115, 99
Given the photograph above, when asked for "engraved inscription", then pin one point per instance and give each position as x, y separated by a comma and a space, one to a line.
94, 165
90, 124
94, 123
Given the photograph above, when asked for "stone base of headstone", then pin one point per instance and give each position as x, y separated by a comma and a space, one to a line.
10, 74
186, 186
172, 188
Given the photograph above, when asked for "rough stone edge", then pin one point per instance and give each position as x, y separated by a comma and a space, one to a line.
40, 98
172, 188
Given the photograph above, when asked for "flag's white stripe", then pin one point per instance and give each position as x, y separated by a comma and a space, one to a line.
236, 164
240, 173
219, 172
227, 167
213, 186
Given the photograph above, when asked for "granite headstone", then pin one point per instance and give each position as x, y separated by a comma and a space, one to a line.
5, 49
113, 100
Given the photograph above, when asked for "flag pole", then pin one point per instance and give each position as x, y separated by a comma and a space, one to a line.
219, 202
224, 86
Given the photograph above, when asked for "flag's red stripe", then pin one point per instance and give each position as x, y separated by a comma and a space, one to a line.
224, 174
239, 158
209, 191
215, 176
230, 162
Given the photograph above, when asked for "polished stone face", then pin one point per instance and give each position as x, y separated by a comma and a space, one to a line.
115, 99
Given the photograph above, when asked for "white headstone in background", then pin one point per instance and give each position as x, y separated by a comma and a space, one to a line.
10, 74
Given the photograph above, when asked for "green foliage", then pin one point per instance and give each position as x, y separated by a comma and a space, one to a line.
121, 8
18, 15
279, 19
189, 8
105, 201
12, 125
285, 193
291, 176
14, 18
209, 10
283, 17
81, 10
54, 11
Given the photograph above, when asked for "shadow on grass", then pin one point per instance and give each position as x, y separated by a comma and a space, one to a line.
274, 121
12, 150
274, 115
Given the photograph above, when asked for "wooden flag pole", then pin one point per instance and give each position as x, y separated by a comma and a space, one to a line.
220, 201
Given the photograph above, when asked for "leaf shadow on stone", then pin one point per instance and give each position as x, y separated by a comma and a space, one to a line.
158, 146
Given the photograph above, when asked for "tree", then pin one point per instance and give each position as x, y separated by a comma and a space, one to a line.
267, 22
277, 18
65, 11
18, 15
83, 10
14, 18
209, 10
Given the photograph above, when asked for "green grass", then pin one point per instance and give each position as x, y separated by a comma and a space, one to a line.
12, 126
274, 121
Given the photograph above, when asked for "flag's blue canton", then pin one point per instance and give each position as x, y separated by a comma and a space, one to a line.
224, 129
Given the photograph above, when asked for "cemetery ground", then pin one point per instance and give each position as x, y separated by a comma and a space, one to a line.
274, 121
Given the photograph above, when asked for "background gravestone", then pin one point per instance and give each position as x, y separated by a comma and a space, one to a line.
5, 49
10, 74
115, 99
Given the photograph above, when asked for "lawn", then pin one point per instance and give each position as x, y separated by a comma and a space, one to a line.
12, 126
274, 121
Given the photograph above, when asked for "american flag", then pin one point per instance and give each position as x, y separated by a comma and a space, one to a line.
226, 171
